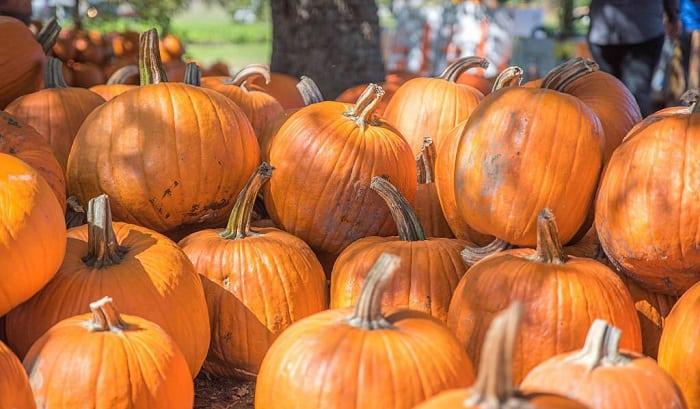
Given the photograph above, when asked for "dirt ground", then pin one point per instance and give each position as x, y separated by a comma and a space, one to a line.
222, 393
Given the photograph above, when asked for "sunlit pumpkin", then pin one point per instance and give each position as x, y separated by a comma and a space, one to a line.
122, 80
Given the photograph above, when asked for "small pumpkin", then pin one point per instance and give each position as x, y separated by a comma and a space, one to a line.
476, 80
427, 202
32, 233
14, 384
603, 377
257, 282
171, 48
147, 274
429, 271
342, 359
104, 359
57, 111
562, 296
494, 387
120, 82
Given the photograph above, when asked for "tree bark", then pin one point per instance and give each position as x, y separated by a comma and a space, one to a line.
335, 42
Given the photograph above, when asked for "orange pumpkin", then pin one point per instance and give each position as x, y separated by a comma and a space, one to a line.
125, 44
259, 107
427, 202
148, 275
342, 359
257, 282
434, 106
494, 387
108, 360
282, 87
14, 384
171, 156
32, 233
118, 83
171, 48
57, 111
24, 142
86, 75
218, 68
603, 377
562, 296
476, 80
326, 155
175, 70
430, 267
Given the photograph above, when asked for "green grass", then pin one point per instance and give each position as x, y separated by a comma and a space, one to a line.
235, 55
203, 31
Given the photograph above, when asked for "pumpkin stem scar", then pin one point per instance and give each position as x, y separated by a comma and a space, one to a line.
549, 248
454, 70
49, 34
103, 248
105, 316
510, 77
472, 253
407, 222
368, 311
365, 105
151, 68
238, 226
309, 90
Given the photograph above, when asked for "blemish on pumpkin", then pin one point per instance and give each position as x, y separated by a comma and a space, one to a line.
12, 121
217, 205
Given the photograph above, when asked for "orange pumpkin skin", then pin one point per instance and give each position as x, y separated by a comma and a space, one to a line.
109, 91
32, 232
21, 59
139, 367
14, 384
429, 211
455, 400
524, 149
155, 280
86, 75
325, 161
24, 142
282, 87
476, 81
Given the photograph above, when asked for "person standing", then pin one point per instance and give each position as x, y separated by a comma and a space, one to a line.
690, 41
626, 38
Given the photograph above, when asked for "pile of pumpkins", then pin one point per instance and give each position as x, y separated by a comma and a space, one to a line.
538, 246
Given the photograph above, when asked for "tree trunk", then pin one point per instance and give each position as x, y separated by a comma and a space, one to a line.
335, 42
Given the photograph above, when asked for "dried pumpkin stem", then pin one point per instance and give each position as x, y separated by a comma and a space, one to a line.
309, 91
511, 76
691, 97
454, 70
365, 105
560, 79
407, 222
193, 76
549, 248
425, 162
494, 382
151, 69
471, 254
105, 316
53, 74
238, 226
250, 71
122, 75
48, 35
602, 347
103, 248
368, 311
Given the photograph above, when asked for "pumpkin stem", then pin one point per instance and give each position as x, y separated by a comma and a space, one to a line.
368, 311
405, 218
691, 97
151, 69
549, 248
53, 74
103, 248
454, 70
48, 35
122, 75
559, 78
425, 162
238, 226
471, 254
602, 347
248, 72
309, 91
494, 382
105, 316
511, 76
366, 104
193, 76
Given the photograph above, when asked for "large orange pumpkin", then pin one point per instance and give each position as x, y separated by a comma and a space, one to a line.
14, 384
326, 155
259, 107
429, 271
342, 359
22, 57
57, 111
108, 360
24, 142
494, 387
257, 282
427, 201
434, 106
120, 82
32, 233
282, 87
562, 296
603, 377
649, 202
171, 156
146, 273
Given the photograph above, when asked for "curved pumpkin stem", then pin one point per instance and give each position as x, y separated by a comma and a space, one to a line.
105, 316
238, 226
407, 222
248, 72
510, 77
425, 162
121, 75
151, 69
53, 74
368, 311
309, 91
494, 382
193, 76
561, 77
549, 248
472, 254
366, 104
454, 70
103, 248
602, 347
48, 35
691, 97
